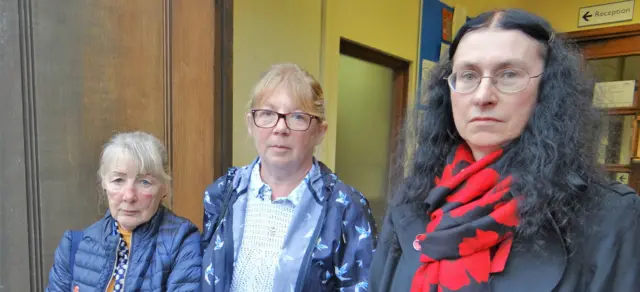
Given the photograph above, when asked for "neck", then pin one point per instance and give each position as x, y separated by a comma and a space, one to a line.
481, 152
283, 180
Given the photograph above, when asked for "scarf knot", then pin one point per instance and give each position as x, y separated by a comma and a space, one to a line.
472, 217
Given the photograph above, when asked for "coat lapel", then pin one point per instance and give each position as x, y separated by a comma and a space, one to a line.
530, 270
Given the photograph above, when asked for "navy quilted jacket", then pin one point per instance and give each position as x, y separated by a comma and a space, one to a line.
165, 256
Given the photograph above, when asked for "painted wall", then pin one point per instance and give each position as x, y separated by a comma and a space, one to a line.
265, 33
308, 33
475, 7
563, 15
364, 114
388, 26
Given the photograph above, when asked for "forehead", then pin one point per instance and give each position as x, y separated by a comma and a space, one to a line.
489, 47
278, 98
122, 162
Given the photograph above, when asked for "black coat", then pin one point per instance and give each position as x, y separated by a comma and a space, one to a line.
605, 258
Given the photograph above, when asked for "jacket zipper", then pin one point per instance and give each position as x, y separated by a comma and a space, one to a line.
312, 245
124, 280
115, 263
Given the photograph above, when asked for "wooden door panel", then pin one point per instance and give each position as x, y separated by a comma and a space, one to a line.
98, 69
614, 54
73, 73
14, 227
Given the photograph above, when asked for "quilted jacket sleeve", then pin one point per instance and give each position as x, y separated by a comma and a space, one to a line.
60, 276
360, 236
186, 270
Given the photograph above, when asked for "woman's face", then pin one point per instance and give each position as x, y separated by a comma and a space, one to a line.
133, 197
487, 118
280, 146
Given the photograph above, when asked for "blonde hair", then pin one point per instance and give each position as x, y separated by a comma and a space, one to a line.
145, 149
298, 83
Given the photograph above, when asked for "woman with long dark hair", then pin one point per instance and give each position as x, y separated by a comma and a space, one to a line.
503, 191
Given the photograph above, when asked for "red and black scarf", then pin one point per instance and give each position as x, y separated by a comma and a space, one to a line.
473, 215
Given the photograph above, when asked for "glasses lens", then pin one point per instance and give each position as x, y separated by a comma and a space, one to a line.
298, 121
511, 80
265, 118
464, 81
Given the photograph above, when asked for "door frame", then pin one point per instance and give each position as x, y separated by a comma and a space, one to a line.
400, 68
607, 42
199, 123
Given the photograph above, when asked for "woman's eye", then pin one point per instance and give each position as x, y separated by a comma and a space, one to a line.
145, 182
467, 76
509, 74
117, 180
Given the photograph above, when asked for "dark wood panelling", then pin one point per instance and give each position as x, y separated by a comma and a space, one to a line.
73, 73
98, 70
223, 110
14, 238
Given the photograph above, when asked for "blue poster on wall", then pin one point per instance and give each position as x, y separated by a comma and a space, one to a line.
436, 35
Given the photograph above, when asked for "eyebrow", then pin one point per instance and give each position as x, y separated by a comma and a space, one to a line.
140, 175
271, 108
503, 64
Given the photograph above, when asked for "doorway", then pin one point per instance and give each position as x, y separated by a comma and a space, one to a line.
613, 55
372, 99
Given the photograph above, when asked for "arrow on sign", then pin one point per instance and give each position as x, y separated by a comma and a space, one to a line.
622, 179
586, 16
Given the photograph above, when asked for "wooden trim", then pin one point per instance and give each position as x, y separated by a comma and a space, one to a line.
223, 88
192, 58
167, 90
401, 75
603, 33
617, 168
634, 139
356, 50
616, 47
623, 111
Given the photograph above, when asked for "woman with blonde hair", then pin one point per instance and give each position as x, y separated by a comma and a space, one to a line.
139, 245
286, 222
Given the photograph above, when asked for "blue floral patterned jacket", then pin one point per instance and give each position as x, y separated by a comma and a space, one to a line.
328, 246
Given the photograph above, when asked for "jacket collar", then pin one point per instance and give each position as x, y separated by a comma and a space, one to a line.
143, 232
321, 180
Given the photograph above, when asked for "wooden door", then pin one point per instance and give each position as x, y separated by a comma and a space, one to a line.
73, 73
613, 54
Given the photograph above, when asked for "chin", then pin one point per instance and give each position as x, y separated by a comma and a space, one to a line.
486, 141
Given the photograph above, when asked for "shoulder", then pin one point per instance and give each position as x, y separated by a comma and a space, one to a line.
173, 224
355, 197
620, 203
617, 212
175, 231
213, 192
95, 230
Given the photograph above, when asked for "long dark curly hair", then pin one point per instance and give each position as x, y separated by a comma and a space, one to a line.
553, 162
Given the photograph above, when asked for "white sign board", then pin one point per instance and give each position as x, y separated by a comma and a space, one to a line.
614, 94
605, 13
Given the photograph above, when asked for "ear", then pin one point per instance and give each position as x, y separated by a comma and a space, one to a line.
320, 132
249, 121
103, 185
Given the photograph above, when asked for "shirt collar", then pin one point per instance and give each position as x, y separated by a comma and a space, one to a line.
260, 190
